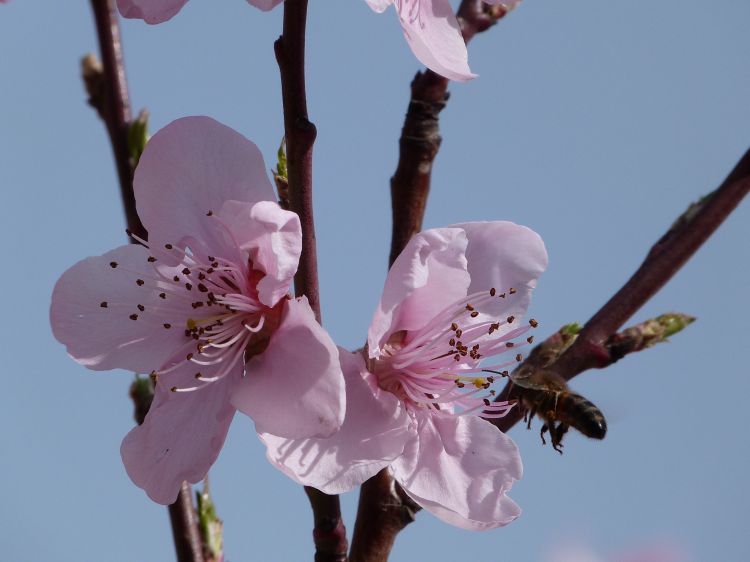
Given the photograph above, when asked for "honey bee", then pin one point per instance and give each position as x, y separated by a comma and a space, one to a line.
546, 394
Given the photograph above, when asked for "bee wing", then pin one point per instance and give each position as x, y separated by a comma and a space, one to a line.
536, 379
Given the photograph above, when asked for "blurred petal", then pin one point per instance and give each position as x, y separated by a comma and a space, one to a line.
295, 388
373, 434
429, 274
273, 238
461, 468
432, 31
92, 311
182, 434
190, 167
150, 11
265, 5
379, 5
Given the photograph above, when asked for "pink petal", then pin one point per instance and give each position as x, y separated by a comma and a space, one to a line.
182, 435
432, 31
295, 388
379, 5
429, 274
460, 468
190, 167
265, 5
373, 434
91, 308
504, 255
273, 238
151, 11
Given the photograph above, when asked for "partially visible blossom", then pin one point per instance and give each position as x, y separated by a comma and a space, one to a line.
159, 11
434, 35
417, 394
578, 551
203, 307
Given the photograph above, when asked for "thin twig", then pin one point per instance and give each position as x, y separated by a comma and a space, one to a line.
108, 94
420, 136
113, 104
593, 347
384, 509
329, 533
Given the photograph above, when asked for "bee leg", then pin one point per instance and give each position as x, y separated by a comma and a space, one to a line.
557, 436
529, 416
543, 431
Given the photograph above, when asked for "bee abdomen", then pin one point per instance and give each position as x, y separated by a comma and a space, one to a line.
578, 412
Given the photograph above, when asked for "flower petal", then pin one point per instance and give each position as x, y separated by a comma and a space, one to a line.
460, 468
182, 434
504, 255
265, 5
273, 238
295, 388
94, 313
429, 274
150, 11
433, 33
379, 5
190, 167
373, 434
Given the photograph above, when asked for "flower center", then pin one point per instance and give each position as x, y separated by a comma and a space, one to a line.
213, 299
438, 365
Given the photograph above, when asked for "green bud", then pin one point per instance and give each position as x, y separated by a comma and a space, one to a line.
571, 329
138, 136
673, 322
210, 525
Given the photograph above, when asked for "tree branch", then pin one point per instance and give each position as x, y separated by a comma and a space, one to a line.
420, 135
384, 508
596, 344
329, 533
108, 94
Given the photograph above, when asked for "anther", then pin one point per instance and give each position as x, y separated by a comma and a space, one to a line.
139, 282
201, 276
168, 246
103, 304
486, 402
211, 258
162, 295
511, 291
133, 317
530, 339
141, 307
209, 213
492, 292
189, 356
510, 319
185, 271
176, 279
173, 389
202, 288
167, 326
459, 333
454, 326
509, 344
188, 286
519, 357
474, 314
113, 264
151, 259
198, 375
452, 341
533, 323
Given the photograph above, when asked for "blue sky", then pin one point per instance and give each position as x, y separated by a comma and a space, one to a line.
595, 123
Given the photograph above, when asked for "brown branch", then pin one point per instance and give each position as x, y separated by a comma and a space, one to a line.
108, 94
300, 136
596, 344
420, 135
384, 508
329, 533
110, 99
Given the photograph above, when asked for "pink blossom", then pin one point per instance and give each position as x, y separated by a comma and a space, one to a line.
203, 307
159, 11
417, 395
433, 33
